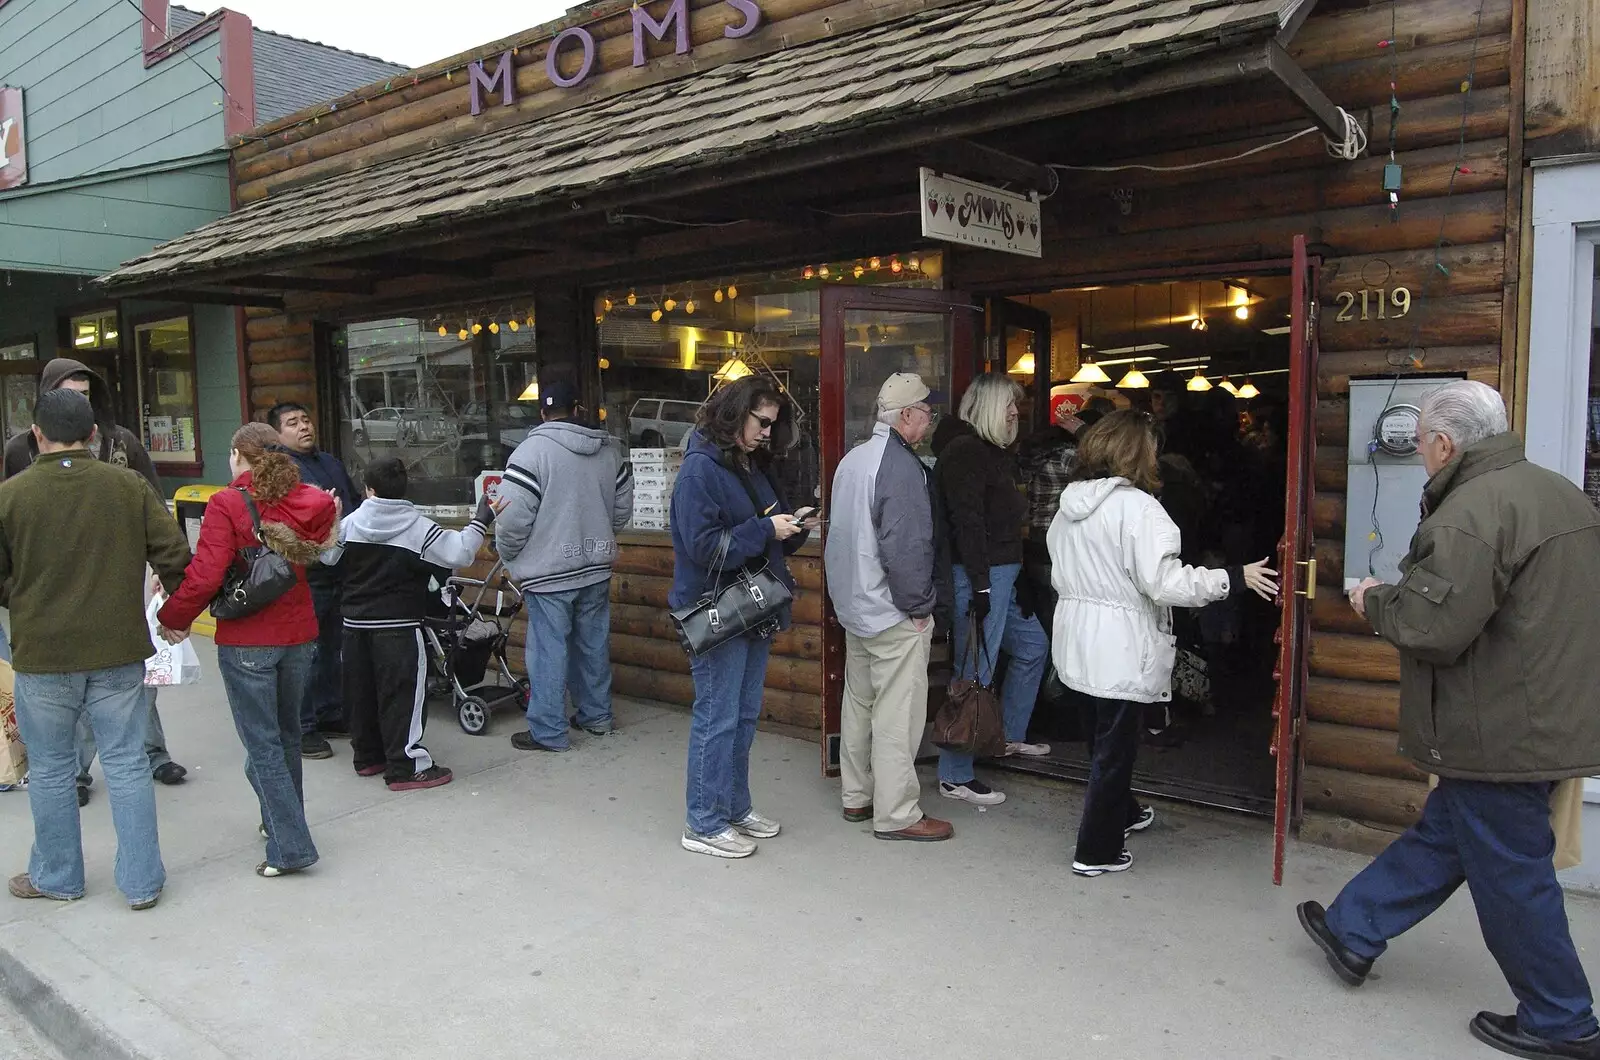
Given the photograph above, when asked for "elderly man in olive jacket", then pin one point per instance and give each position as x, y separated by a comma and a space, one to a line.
1498, 630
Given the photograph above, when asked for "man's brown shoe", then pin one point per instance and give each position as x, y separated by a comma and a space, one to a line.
927, 830
857, 814
21, 886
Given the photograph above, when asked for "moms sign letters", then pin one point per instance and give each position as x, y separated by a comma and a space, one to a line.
579, 41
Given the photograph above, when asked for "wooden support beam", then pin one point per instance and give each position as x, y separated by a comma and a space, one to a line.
419, 265
235, 298
1287, 71
303, 283
971, 159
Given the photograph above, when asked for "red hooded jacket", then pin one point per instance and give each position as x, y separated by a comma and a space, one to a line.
298, 527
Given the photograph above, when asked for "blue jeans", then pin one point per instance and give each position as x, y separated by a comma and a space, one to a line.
323, 701
1496, 839
569, 649
155, 741
265, 689
48, 709
1005, 630
727, 704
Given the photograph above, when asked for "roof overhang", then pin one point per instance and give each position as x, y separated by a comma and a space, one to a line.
613, 154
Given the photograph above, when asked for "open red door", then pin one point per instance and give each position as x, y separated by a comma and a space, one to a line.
1297, 563
868, 334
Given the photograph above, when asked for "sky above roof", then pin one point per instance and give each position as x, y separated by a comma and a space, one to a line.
412, 32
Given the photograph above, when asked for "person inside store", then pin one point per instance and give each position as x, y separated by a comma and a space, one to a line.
726, 513
323, 713
979, 488
266, 657
1118, 569
118, 446
1495, 624
567, 490
880, 559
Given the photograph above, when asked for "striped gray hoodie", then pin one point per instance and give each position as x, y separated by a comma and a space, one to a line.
566, 492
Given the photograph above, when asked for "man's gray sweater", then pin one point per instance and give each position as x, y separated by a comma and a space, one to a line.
567, 491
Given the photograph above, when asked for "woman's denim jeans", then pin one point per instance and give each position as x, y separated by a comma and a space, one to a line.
1022, 639
48, 709
727, 703
265, 689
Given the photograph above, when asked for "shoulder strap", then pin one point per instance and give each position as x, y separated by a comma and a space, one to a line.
255, 514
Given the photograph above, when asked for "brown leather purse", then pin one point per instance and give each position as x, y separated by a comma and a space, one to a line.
970, 720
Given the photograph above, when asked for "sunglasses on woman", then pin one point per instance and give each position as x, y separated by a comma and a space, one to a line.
766, 424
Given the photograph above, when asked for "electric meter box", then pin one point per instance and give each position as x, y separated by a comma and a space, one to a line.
1383, 494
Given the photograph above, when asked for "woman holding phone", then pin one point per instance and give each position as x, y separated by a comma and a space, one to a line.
724, 488
1115, 564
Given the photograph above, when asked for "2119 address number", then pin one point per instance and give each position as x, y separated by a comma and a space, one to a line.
1376, 302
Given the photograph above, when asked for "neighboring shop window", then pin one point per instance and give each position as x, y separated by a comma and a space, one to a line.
169, 405
665, 349
18, 387
94, 331
452, 397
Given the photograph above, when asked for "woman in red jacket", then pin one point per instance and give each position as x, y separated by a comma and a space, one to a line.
266, 657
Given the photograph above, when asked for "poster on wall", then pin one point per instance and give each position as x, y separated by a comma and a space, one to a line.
13, 140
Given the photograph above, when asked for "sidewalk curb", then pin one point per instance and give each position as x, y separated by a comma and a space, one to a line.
82, 1009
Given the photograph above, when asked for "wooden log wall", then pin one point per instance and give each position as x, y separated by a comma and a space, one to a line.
1456, 152
281, 359
647, 662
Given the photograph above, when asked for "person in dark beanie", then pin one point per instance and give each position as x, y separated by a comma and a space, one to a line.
390, 552
119, 447
75, 536
323, 713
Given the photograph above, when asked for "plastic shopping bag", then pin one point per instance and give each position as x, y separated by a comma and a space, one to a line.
172, 664
13, 756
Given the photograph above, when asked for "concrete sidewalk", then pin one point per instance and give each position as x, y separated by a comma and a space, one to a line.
540, 905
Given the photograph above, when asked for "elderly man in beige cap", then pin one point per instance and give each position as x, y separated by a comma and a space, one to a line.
880, 565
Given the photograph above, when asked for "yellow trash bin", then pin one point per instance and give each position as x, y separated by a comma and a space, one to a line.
188, 506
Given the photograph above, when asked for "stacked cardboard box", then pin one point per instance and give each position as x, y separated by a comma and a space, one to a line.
655, 472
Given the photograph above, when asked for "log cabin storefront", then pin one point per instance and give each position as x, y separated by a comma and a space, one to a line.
651, 199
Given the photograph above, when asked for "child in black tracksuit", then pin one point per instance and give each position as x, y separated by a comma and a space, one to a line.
388, 552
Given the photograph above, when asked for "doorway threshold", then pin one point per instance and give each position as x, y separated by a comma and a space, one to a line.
1154, 785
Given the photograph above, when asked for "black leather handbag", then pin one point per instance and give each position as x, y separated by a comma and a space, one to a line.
752, 603
258, 577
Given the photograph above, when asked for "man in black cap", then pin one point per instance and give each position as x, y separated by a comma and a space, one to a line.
567, 490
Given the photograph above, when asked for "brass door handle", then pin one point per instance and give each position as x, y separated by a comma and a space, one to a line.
1310, 591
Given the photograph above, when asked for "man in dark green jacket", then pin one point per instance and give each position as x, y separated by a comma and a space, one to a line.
75, 535
1496, 621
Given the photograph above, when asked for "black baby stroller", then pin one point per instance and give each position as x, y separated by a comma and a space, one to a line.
463, 636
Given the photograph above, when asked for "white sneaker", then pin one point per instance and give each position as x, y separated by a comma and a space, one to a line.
1032, 750
974, 791
756, 826
725, 844
1147, 817
1123, 863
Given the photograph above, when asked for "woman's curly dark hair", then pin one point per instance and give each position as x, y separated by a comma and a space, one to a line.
273, 474
722, 417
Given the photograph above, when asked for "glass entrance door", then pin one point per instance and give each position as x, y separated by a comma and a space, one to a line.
869, 334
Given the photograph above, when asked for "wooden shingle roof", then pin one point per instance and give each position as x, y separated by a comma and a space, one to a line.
948, 56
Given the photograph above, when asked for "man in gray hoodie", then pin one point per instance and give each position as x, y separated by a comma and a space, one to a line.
567, 490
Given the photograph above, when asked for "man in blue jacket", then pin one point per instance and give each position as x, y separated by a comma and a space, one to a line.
322, 714
880, 562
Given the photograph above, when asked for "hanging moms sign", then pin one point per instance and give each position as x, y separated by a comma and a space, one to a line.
962, 211
579, 42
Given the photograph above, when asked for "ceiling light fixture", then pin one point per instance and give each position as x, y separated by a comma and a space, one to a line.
1199, 384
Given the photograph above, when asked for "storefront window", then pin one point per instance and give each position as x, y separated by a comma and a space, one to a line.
18, 387
170, 410
664, 350
93, 331
450, 398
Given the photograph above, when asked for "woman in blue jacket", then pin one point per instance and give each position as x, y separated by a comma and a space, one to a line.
723, 486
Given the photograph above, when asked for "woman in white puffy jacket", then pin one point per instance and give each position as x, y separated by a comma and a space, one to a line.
1114, 557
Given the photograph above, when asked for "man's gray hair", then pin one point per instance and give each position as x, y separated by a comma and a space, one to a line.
891, 417
1466, 412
